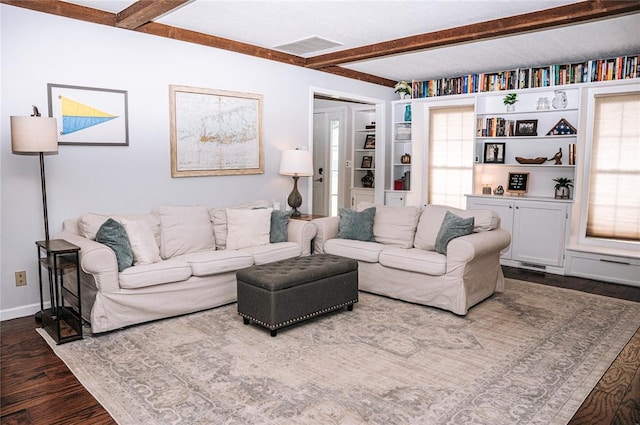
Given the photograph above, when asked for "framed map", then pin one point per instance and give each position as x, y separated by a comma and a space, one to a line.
215, 132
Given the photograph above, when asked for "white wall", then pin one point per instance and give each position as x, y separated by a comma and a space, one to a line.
39, 48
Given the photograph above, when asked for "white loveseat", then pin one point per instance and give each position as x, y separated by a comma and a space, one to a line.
402, 262
188, 263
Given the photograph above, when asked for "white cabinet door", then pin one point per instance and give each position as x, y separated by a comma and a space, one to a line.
504, 208
539, 231
361, 195
395, 199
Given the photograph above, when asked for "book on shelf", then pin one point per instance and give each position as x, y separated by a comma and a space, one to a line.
617, 68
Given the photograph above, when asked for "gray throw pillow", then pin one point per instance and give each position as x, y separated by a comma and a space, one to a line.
452, 227
279, 222
113, 235
356, 225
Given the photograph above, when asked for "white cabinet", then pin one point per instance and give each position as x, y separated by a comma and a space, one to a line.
538, 229
402, 158
361, 195
395, 199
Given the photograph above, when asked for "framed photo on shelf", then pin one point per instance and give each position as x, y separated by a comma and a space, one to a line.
370, 141
518, 183
526, 128
494, 153
367, 162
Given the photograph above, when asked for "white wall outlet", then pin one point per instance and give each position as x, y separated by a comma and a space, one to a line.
348, 163
21, 278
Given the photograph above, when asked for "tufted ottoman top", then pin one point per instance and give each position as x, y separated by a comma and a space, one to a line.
296, 271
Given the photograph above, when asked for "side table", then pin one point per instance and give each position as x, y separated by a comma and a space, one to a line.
63, 321
308, 217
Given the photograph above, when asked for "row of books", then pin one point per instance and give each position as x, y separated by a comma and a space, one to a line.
495, 127
619, 68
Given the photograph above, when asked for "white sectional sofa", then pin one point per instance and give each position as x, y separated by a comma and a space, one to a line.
185, 259
400, 260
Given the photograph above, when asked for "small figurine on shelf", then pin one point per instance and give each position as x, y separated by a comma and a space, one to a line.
498, 190
368, 179
557, 157
405, 159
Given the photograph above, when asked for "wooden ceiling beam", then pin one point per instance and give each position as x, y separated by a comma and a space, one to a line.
543, 19
67, 10
357, 75
143, 11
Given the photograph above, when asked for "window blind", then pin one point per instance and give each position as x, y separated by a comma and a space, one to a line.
450, 155
613, 208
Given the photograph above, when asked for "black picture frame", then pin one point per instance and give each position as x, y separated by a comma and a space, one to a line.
526, 128
367, 162
518, 183
370, 141
494, 153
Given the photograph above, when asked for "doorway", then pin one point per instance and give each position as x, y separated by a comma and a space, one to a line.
332, 150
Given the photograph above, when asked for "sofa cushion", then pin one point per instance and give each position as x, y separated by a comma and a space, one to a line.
218, 217
356, 225
166, 271
279, 223
414, 260
143, 243
432, 216
395, 225
368, 252
247, 228
264, 254
206, 263
452, 227
88, 224
113, 235
184, 229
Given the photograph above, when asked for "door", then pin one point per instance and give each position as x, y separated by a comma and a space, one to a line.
539, 231
328, 141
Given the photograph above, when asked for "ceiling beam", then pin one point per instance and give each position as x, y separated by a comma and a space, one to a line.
357, 75
67, 10
143, 11
543, 19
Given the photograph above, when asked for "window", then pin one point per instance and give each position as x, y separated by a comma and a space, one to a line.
450, 155
613, 205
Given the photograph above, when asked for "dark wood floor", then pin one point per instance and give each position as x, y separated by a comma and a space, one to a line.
37, 388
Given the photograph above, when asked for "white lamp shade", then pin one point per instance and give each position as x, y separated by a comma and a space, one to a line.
296, 163
34, 134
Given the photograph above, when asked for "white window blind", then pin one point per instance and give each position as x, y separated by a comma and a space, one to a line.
613, 209
450, 155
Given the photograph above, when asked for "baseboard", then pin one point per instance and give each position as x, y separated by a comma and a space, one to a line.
23, 311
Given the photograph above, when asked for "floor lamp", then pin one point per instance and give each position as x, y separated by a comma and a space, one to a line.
31, 135
296, 163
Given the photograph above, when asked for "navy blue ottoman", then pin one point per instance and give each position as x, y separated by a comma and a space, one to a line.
279, 294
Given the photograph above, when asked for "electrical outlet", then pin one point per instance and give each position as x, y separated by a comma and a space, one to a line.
348, 164
21, 278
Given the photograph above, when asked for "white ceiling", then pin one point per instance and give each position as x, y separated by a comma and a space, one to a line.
268, 23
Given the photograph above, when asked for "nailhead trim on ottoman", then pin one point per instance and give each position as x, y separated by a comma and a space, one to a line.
279, 294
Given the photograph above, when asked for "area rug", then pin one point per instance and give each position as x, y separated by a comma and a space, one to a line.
527, 356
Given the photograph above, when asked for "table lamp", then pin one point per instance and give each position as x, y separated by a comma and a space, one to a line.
31, 135
296, 163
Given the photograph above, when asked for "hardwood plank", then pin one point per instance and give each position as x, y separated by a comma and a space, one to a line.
37, 387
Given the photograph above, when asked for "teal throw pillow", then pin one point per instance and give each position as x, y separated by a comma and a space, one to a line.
113, 235
279, 222
452, 227
356, 225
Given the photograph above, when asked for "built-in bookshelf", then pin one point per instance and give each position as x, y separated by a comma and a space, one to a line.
618, 68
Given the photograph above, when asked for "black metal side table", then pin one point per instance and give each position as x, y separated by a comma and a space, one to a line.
63, 321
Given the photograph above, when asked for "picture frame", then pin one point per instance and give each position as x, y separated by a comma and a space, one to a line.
215, 132
494, 153
526, 128
370, 141
89, 116
518, 183
367, 161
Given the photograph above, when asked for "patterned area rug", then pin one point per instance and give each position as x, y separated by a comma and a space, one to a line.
528, 356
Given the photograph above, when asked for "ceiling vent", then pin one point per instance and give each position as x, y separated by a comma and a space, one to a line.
307, 45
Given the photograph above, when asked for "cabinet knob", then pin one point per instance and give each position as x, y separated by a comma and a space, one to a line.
517, 208
510, 207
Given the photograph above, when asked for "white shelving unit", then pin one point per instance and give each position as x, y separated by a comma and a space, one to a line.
401, 154
363, 159
489, 106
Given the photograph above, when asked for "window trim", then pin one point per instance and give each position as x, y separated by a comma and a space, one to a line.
583, 174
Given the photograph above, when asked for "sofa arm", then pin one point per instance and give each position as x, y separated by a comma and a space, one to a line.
97, 260
301, 232
465, 248
327, 228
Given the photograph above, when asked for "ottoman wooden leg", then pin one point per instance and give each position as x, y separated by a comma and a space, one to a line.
245, 321
350, 307
274, 332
